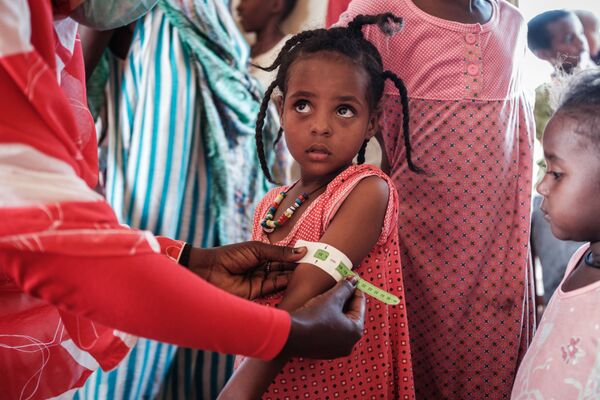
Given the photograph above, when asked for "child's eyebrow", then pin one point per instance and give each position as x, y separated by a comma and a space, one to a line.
302, 93
347, 98
552, 157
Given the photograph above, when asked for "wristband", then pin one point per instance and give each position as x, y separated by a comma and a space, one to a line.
324, 256
339, 266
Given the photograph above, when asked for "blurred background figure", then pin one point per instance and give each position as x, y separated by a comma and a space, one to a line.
591, 29
264, 18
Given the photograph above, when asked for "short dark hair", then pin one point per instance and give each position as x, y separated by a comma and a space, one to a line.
538, 36
349, 42
288, 7
580, 100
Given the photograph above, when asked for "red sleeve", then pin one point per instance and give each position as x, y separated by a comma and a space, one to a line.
149, 296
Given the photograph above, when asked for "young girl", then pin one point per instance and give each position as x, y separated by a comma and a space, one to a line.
331, 82
465, 223
563, 361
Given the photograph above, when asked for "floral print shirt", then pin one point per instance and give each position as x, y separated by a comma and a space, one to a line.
563, 361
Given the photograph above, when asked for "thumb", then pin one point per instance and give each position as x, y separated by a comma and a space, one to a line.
343, 290
286, 254
355, 310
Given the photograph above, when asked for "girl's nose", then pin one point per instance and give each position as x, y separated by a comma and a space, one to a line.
320, 125
542, 186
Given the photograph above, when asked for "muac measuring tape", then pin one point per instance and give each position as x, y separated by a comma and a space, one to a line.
336, 264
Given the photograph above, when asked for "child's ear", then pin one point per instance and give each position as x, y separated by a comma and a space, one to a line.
373, 126
277, 6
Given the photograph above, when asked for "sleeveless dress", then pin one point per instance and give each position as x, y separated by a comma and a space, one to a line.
465, 223
380, 365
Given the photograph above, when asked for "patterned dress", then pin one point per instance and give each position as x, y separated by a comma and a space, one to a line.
380, 365
563, 361
464, 224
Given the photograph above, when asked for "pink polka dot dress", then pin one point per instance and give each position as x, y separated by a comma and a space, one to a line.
464, 225
380, 365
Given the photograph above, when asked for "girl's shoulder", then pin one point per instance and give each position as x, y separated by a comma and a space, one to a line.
357, 174
363, 182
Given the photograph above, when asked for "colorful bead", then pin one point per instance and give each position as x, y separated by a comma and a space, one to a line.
268, 224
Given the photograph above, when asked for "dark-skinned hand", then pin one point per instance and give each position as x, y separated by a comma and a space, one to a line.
329, 325
249, 270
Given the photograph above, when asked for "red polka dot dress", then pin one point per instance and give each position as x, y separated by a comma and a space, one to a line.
464, 225
380, 365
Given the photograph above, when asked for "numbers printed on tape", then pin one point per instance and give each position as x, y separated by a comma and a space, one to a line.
339, 266
321, 254
368, 288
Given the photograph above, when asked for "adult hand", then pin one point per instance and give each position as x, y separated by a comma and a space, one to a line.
249, 270
329, 325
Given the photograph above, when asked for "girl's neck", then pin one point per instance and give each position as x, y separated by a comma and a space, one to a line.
462, 11
308, 181
267, 38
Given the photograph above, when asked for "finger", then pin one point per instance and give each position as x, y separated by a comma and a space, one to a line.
276, 281
284, 254
355, 310
283, 266
342, 291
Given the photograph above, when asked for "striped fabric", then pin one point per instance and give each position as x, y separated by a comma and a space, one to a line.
162, 178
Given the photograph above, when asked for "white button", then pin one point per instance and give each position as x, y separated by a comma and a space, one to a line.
470, 38
473, 69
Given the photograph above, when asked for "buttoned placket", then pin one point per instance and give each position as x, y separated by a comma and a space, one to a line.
472, 64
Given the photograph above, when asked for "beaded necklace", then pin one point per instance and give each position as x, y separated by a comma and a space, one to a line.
268, 224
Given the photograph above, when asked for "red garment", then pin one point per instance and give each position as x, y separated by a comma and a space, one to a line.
70, 274
464, 223
335, 8
380, 365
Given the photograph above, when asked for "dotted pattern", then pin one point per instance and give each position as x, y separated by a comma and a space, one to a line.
380, 365
464, 225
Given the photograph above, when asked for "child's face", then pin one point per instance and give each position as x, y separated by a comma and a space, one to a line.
255, 14
569, 44
325, 113
571, 185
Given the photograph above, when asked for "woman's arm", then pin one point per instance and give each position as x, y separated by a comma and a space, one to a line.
354, 230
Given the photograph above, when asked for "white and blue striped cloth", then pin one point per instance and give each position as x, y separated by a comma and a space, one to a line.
181, 163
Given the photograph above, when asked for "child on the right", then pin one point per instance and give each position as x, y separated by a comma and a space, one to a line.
563, 361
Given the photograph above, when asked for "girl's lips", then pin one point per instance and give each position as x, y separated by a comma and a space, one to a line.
546, 216
318, 152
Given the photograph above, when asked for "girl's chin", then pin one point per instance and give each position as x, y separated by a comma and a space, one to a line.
560, 234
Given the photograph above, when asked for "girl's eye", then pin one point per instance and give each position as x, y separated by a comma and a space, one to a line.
345, 112
302, 107
555, 175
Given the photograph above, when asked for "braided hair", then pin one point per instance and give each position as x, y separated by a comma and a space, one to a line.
350, 42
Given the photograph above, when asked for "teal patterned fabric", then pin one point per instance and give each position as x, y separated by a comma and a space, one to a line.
181, 163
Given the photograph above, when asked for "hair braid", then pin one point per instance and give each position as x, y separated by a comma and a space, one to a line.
405, 117
289, 46
260, 123
360, 158
388, 23
348, 42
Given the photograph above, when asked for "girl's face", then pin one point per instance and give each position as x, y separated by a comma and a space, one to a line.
325, 113
571, 185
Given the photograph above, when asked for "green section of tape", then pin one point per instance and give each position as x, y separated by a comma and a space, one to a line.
321, 254
368, 288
